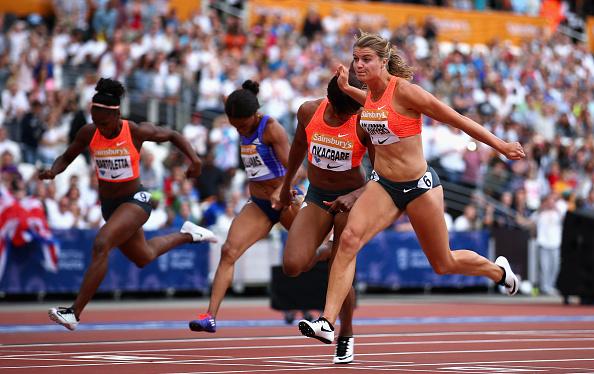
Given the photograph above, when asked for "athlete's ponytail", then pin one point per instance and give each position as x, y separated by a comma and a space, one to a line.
243, 102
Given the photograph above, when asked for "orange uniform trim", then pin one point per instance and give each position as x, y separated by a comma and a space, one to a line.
399, 124
328, 146
116, 160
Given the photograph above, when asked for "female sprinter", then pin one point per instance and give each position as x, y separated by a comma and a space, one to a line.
264, 152
115, 146
327, 132
402, 180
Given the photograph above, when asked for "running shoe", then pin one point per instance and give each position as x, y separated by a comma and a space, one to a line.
199, 233
510, 281
345, 350
205, 322
319, 329
63, 316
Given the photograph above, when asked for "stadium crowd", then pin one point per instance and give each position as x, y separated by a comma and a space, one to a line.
540, 93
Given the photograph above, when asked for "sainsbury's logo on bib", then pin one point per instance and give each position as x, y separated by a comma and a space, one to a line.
112, 152
374, 115
332, 141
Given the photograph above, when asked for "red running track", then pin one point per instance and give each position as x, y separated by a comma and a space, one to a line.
527, 346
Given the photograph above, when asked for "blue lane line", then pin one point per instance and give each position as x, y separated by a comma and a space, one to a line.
183, 325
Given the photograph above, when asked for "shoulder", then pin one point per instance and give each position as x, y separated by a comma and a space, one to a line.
308, 109
86, 132
273, 131
140, 128
407, 92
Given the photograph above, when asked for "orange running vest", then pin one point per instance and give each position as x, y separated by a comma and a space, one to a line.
333, 148
116, 160
384, 125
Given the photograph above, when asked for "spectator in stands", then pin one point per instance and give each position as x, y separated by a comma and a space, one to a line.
549, 226
312, 24
33, 126
53, 140
469, 220
114, 144
148, 173
211, 179
9, 145
224, 140
62, 218
197, 134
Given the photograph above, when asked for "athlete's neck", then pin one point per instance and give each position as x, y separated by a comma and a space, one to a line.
378, 85
334, 118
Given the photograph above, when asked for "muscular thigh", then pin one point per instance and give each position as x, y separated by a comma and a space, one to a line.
289, 214
123, 224
250, 225
136, 248
426, 217
307, 232
373, 211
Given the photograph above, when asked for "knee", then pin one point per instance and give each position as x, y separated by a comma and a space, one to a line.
142, 262
291, 268
229, 253
350, 241
101, 248
444, 267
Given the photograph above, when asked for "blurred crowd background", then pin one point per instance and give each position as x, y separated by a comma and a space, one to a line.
178, 72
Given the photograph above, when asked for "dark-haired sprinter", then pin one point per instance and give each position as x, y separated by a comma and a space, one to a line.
264, 152
328, 134
115, 146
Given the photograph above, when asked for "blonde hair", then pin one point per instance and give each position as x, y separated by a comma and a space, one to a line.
384, 49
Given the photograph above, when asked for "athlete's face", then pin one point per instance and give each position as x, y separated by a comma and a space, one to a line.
245, 126
106, 120
367, 63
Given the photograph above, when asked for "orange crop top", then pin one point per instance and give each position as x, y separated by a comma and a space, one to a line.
384, 125
117, 159
333, 148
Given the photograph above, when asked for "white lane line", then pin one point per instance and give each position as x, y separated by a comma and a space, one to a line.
359, 343
389, 366
294, 337
394, 367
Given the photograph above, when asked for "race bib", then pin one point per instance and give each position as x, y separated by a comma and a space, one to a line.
253, 162
329, 152
375, 122
426, 181
113, 164
142, 196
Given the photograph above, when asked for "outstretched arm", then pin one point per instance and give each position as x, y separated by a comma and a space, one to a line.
416, 98
81, 141
147, 131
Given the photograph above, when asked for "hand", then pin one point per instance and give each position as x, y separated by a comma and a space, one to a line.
343, 77
284, 199
275, 200
342, 204
513, 151
194, 169
46, 174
